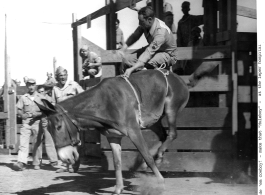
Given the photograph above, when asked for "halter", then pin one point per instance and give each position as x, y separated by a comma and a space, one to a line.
141, 122
66, 116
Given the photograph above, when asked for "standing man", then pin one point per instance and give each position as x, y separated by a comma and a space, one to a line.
162, 48
50, 80
63, 90
49, 145
30, 113
186, 24
169, 20
119, 35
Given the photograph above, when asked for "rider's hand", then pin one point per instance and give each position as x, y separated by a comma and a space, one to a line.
128, 72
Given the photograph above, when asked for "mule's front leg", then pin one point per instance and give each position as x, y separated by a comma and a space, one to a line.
115, 144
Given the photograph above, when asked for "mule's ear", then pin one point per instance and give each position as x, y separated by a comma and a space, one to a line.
46, 107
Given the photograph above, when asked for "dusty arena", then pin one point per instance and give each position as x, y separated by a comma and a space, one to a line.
92, 180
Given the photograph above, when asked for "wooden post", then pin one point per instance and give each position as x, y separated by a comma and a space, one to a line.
54, 66
210, 22
111, 26
158, 8
77, 45
9, 99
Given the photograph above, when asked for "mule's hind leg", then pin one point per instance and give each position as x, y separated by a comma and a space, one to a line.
171, 114
115, 144
137, 138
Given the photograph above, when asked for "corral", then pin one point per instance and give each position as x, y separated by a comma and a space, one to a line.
217, 131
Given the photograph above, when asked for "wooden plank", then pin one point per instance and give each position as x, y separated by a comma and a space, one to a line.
214, 140
119, 5
244, 94
203, 117
77, 40
222, 7
222, 36
215, 83
3, 115
176, 161
108, 71
4, 151
246, 12
111, 27
184, 53
247, 36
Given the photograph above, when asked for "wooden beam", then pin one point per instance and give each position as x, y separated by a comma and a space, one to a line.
111, 27
223, 36
184, 53
211, 83
77, 41
3, 115
119, 5
158, 7
176, 161
222, 7
186, 140
246, 12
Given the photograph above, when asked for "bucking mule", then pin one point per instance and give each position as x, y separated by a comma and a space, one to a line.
119, 107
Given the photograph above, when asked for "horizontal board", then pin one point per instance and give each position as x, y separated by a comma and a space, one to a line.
3, 115
175, 161
203, 117
184, 53
215, 83
244, 94
214, 140
246, 12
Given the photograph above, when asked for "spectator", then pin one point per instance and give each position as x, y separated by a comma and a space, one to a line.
186, 24
50, 80
92, 66
25, 79
65, 89
196, 39
162, 49
169, 20
49, 145
119, 35
30, 113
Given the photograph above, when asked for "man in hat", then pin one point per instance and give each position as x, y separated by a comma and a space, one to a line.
30, 113
63, 90
162, 48
50, 80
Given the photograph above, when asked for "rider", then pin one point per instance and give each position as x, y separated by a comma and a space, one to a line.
162, 48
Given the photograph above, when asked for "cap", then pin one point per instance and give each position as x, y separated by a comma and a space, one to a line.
30, 80
85, 47
59, 70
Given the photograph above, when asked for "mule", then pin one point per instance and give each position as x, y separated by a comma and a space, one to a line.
118, 107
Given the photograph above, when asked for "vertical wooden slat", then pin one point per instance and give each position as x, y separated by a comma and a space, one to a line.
77, 41
10, 99
111, 26
158, 7
210, 22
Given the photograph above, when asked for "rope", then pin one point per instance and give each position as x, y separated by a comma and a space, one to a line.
163, 66
137, 98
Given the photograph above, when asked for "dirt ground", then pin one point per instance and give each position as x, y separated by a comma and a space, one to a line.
92, 180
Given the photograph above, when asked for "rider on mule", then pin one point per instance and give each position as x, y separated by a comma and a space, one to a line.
162, 48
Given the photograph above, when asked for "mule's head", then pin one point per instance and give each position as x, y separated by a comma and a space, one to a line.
63, 129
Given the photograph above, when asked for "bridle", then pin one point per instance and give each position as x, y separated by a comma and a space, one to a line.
67, 118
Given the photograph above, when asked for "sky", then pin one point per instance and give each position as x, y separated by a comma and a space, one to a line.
38, 31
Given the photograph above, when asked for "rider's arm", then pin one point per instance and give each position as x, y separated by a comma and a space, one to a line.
135, 36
